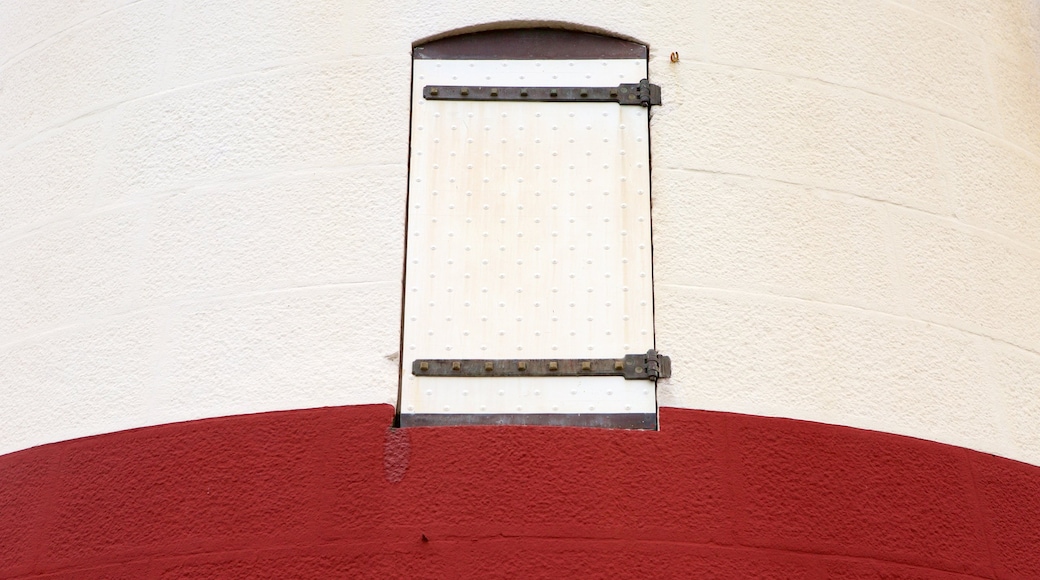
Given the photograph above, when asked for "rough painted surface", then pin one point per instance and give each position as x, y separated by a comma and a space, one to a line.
335, 493
202, 207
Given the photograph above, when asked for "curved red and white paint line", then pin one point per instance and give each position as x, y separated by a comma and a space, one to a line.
335, 492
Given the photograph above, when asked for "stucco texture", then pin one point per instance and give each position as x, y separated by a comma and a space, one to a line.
337, 493
202, 207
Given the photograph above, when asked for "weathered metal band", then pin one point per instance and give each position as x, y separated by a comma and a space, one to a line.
646, 421
633, 366
642, 93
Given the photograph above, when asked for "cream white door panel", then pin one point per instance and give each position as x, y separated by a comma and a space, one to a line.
528, 237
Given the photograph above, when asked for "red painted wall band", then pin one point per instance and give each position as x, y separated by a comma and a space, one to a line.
328, 493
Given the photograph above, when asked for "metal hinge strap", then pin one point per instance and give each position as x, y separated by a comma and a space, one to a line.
633, 366
642, 93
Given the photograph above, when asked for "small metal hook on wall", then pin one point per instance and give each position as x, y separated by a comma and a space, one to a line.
675, 57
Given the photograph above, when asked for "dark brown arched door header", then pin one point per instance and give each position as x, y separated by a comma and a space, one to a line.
529, 44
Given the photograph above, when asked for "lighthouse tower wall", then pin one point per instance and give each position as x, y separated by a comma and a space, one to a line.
202, 250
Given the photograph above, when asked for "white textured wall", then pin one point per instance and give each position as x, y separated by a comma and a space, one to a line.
201, 207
